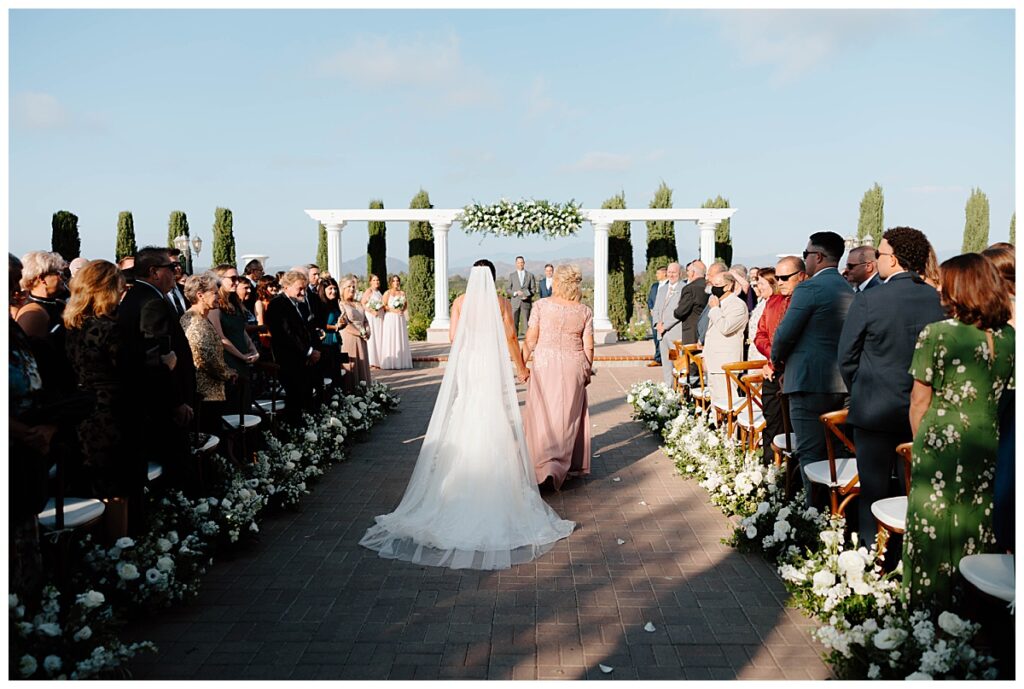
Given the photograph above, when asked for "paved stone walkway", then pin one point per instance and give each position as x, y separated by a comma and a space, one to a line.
307, 602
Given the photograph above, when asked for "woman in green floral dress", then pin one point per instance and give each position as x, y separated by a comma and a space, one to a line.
960, 367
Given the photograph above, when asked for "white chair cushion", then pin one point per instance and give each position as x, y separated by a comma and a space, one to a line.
779, 441
154, 471
737, 403
211, 442
250, 420
846, 470
743, 419
699, 394
891, 512
270, 405
992, 574
77, 511
328, 381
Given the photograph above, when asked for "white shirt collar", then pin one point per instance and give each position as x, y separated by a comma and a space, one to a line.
886, 281
823, 270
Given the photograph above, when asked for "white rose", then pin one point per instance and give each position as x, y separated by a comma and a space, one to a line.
830, 538
202, 508
289, 465
823, 580
51, 664
918, 676
83, 634
12, 600
165, 564
888, 639
127, 571
751, 531
762, 508
851, 562
122, 543
90, 599
310, 436
49, 628
356, 415
163, 545
152, 575
172, 536
27, 666
294, 455
784, 513
225, 503
953, 625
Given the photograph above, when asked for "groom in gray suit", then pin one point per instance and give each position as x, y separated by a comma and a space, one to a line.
669, 327
522, 285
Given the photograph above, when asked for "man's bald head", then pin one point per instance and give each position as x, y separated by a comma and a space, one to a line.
697, 269
716, 268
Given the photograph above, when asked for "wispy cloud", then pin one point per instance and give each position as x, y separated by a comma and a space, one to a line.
937, 189
604, 161
794, 42
435, 64
540, 102
37, 110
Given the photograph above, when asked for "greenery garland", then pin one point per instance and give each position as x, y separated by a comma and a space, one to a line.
523, 218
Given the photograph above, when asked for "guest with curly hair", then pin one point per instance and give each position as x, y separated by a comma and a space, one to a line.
875, 350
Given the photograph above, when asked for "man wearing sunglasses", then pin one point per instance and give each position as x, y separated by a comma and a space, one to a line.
807, 343
862, 269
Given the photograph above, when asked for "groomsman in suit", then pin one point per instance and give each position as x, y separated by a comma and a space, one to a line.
807, 343
177, 294
862, 269
669, 327
158, 359
312, 301
875, 349
294, 344
661, 275
547, 281
522, 285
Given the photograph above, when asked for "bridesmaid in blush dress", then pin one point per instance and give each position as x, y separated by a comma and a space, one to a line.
556, 419
395, 352
353, 339
375, 319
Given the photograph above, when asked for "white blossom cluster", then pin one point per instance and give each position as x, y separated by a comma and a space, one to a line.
523, 218
654, 404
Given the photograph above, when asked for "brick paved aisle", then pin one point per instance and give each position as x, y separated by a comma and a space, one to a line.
307, 602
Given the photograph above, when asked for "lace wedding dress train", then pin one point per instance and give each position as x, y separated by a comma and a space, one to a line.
472, 501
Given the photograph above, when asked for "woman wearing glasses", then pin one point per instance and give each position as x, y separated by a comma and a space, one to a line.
229, 320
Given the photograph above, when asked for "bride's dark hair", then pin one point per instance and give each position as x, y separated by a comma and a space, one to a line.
484, 262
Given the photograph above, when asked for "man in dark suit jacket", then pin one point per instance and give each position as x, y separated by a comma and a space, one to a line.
862, 269
294, 345
875, 349
547, 283
652, 300
692, 301
807, 343
159, 358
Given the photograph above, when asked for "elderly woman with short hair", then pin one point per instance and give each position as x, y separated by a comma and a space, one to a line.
202, 291
42, 279
727, 323
556, 420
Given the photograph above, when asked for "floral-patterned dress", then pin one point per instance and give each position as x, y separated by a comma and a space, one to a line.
949, 512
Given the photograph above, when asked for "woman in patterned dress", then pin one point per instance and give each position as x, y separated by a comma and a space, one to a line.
960, 367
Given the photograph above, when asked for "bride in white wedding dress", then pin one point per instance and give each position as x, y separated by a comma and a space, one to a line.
472, 501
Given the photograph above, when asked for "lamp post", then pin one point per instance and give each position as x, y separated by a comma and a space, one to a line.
186, 247
197, 245
850, 242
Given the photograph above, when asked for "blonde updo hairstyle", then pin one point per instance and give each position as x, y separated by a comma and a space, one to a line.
566, 282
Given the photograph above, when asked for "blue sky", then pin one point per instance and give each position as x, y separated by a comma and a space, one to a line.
791, 115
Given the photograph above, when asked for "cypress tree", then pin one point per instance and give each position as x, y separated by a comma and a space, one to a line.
661, 237
420, 289
64, 239
620, 268
177, 225
321, 248
976, 225
377, 248
223, 236
872, 211
723, 235
125, 236
1013, 229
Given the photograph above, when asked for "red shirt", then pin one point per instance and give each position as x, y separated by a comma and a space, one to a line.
774, 310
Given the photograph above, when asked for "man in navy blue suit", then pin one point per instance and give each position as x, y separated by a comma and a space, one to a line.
547, 282
652, 297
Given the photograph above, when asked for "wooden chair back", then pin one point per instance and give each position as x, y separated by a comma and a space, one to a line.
733, 377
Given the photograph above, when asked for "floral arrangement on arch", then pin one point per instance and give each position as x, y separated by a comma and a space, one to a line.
523, 218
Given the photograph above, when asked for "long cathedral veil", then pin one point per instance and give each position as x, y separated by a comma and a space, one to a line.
472, 500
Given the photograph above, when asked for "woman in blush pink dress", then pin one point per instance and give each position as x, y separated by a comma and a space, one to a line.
556, 419
395, 352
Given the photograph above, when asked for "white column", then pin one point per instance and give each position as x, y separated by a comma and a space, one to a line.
603, 330
707, 241
334, 249
438, 331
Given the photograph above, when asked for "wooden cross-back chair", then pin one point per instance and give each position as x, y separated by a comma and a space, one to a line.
736, 405
837, 474
891, 513
700, 393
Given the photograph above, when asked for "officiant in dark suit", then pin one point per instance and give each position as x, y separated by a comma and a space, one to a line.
875, 349
294, 344
159, 358
522, 285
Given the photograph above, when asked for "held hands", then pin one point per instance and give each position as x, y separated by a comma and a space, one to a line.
182, 415
768, 372
524, 374
713, 301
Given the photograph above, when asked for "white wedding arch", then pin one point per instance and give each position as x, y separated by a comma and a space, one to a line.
442, 219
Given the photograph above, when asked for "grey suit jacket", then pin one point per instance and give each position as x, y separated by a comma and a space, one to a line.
664, 308
876, 347
528, 288
807, 339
